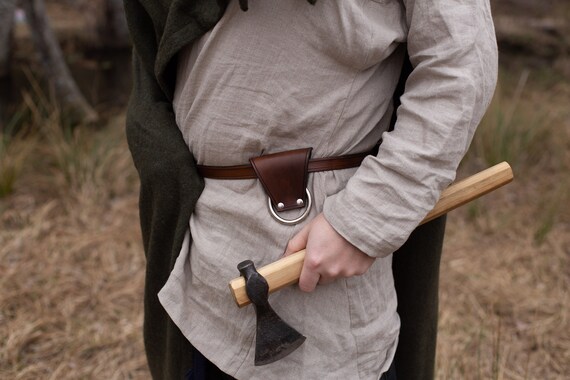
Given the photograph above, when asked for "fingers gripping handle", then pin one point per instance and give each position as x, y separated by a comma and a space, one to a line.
287, 270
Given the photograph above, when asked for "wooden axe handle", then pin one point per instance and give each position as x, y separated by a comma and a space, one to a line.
287, 270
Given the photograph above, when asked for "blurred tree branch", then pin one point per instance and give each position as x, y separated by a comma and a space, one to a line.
7, 9
53, 63
112, 26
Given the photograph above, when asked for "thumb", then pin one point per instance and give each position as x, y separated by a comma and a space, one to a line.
298, 242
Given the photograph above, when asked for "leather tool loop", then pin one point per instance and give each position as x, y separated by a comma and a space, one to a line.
286, 191
284, 177
296, 220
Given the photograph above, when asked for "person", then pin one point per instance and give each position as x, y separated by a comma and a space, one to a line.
217, 86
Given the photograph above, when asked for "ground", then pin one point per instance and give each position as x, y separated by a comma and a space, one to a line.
72, 264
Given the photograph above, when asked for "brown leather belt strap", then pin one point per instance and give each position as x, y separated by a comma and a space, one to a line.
315, 165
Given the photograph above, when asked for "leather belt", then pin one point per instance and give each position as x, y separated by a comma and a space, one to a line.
314, 165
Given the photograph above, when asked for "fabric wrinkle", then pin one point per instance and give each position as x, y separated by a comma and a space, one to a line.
268, 86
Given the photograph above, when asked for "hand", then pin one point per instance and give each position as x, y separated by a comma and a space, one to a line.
328, 255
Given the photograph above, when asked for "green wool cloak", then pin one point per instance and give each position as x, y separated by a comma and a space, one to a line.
170, 186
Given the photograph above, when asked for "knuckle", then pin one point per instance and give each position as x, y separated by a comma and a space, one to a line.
335, 272
313, 263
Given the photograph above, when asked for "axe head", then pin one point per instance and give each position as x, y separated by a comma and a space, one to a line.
274, 339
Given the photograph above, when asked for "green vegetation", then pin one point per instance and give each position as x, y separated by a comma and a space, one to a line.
513, 130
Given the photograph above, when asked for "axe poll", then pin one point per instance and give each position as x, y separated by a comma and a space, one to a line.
286, 271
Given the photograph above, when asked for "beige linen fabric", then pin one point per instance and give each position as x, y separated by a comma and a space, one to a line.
286, 75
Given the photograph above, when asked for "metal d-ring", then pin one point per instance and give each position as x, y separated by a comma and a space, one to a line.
292, 221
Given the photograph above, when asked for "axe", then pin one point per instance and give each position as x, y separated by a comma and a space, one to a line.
275, 339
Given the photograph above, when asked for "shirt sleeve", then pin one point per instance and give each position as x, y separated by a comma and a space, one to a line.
453, 50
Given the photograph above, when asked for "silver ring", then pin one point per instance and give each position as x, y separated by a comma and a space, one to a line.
291, 221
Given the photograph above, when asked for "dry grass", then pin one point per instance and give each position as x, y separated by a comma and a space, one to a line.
71, 268
71, 262
505, 275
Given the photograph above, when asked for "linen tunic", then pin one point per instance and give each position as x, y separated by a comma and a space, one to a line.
286, 75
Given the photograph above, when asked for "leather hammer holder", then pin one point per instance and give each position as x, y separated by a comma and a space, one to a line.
284, 177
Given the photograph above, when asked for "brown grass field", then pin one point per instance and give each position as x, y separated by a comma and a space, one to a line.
72, 264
